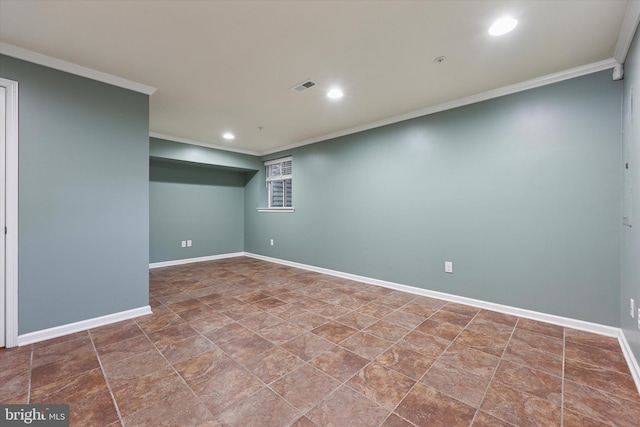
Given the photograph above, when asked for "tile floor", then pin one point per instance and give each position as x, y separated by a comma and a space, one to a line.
242, 342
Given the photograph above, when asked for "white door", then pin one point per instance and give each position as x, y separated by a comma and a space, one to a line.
3, 176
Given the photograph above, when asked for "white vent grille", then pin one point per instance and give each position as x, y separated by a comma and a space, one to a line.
300, 87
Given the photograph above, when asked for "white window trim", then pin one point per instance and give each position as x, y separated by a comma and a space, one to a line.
277, 210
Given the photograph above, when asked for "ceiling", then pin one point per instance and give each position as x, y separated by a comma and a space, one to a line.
223, 66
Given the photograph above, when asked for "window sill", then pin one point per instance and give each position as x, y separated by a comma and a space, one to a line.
277, 210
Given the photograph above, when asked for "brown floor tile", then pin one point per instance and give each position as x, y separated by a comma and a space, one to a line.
15, 360
374, 310
537, 383
448, 331
245, 348
387, 330
281, 332
418, 309
63, 338
187, 305
287, 311
424, 344
308, 346
331, 311
73, 389
396, 421
226, 387
571, 419
170, 335
600, 406
52, 353
259, 321
210, 323
462, 373
155, 323
303, 422
334, 332
116, 332
467, 310
405, 361
184, 349
95, 410
264, 409
198, 368
63, 369
519, 408
599, 377
357, 320
593, 340
424, 406
521, 352
365, 345
125, 349
454, 318
121, 372
494, 316
382, 385
434, 303
485, 420
540, 341
480, 341
183, 410
229, 333
403, 318
541, 328
22, 399
339, 363
196, 313
308, 320
305, 387
14, 384
610, 360
159, 386
345, 407
273, 364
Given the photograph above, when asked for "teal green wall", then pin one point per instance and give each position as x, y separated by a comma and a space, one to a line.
522, 193
194, 202
83, 197
630, 254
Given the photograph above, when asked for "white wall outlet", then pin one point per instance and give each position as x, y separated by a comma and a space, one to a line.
183, 244
632, 308
189, 243
271, 242
448, 267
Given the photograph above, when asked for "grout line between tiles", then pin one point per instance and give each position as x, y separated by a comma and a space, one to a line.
106, 380
30, 372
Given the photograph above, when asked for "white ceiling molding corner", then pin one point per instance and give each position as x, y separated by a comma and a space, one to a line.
58, 64
627, 31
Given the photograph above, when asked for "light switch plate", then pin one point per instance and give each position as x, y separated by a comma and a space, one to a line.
448, 267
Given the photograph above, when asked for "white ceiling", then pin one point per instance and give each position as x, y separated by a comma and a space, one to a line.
229, 65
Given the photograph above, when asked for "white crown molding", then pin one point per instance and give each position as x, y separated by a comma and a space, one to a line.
201, 144
83, 325
58, 64
191, 260
627, 31
484, 96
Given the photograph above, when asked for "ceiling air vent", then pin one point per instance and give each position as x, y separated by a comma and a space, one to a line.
300, 87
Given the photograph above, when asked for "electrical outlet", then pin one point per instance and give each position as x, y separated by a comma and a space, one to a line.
183, 244
271, 242
632, 308
448, 267
189, 243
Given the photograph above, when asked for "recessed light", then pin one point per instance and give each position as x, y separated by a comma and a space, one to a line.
335, 94
228, 136
503, 26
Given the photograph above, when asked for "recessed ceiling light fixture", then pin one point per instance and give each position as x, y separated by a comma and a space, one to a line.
335, 93
228, 136
503, 26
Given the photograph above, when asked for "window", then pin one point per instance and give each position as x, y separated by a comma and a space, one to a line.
279, 182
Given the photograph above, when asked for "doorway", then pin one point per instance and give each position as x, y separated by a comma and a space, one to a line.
8, 213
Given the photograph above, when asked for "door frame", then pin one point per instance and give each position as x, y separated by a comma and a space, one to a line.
11, 209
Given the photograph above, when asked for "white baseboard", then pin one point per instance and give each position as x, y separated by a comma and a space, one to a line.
520, 312
83, 325
631, 360
190, 260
